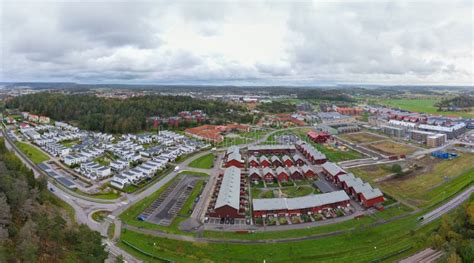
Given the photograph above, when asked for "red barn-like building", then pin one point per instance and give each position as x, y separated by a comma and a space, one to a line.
282, 175
268, 175
264, 162
332, 171
318, 137
287, 161
253, 162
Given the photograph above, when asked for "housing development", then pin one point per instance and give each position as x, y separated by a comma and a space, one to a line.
337, 165
236, 131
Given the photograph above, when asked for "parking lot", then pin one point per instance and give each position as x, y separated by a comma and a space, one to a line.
165, 209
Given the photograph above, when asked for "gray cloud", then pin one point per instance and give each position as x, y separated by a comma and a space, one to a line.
226, 42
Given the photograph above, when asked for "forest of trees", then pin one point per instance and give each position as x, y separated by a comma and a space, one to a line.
456, 234
325, 94
464, 101
122, 116
32, 225
276, 107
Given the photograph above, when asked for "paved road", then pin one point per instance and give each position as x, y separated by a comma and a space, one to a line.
448, 206
428, 255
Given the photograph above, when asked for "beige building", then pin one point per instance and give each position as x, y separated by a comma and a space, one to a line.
436, 140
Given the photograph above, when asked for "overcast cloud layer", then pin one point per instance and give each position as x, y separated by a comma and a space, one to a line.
269, 43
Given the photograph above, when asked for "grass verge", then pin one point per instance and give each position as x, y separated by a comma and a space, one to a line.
35, 155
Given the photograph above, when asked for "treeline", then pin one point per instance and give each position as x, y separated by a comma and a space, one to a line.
456, 234
120, 116
32, 228
276, 107
325, 94
464, 101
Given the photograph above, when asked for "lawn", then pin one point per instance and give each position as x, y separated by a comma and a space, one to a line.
361, 245
423, 105
33, 153
99, 216
362, 137
70, 143
111, 231
187, 208
297, 191
267, 194
233, 141
186, 172
372, 172
335, 155
391, 148
203, 162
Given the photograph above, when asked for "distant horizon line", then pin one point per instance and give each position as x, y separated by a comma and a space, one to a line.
238, 85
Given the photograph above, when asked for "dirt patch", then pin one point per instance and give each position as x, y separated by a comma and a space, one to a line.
363, 137
392, 148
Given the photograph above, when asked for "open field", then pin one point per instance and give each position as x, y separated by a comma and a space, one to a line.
434, 181
360, 245
203, 162
362, 137
371, 173
336, 155
391, 148
33, 153
423, 105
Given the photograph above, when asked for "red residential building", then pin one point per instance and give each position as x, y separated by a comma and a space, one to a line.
276, 162
268, 175
295, 173
298, 160
332, 171
255, 175
264, 162
318, 137
282, 175
287, 161
253, 162
308, 172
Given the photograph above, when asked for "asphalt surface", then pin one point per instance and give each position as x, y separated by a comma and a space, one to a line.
448, 206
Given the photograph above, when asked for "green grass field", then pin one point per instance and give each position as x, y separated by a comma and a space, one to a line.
423, 105
335, 155
297, 191
203, 162
35, 155
360, 245
440, 180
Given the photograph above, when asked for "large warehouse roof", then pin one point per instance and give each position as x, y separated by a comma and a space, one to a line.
229, 193
299, 202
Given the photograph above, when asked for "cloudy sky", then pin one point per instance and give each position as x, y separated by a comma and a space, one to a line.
238, 42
